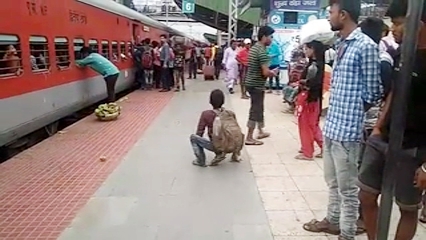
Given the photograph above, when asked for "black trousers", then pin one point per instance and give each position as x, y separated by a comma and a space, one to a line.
192, 69
110, 81
172, 77
157, 76
257, 98
140, 76
217, 68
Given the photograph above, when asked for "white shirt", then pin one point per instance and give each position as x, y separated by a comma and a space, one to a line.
386, 42
230, 58
330, 55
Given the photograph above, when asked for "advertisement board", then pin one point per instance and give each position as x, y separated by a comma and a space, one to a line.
296, 5
287, 40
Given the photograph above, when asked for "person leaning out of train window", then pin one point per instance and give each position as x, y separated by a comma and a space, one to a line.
102, 66
12, 61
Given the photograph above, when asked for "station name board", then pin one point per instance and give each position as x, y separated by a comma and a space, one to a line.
296, 5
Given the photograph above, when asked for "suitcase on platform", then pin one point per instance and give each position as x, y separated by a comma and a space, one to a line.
208, 72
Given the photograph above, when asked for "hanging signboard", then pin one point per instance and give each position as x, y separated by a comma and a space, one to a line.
296, 5
287, 20
188, 6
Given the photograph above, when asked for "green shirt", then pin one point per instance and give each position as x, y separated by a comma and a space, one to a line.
258, 56
99, 64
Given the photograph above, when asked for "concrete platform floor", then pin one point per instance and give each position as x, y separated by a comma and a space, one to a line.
157, 194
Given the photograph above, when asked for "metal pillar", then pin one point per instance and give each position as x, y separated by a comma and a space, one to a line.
166, 2
232, 19
219, 38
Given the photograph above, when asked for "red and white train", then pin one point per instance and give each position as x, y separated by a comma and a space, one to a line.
47, 36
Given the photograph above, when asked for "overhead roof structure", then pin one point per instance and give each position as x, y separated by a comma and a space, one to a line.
124, 11
214, 13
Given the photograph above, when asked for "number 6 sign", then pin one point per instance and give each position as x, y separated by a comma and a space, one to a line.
188, 6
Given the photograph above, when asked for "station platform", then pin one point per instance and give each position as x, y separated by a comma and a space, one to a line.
147, 188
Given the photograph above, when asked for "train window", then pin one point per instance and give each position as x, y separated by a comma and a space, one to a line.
94, 46
105, 49
123, 50
115, 53
129, 49
10, 55
78, 44
39, 58
62, 52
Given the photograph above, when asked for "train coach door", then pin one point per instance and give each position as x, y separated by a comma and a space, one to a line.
135, 33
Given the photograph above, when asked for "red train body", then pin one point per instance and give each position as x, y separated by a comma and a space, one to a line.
47, 36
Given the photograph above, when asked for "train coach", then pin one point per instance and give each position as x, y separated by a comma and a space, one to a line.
39, 43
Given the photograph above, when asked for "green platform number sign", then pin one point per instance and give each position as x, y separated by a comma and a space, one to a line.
188, 6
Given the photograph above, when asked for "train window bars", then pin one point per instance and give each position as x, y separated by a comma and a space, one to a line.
62, 52
94, 46
115, 53
105, 49
78, 44
10, 56
39, 54
130, 49
123, 51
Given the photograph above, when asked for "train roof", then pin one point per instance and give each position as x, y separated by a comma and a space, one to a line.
119, 9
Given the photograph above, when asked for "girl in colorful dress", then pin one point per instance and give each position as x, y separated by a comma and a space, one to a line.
308, 102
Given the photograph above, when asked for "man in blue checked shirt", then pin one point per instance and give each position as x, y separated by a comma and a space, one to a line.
355, 86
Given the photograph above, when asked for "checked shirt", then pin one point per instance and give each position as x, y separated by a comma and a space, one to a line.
355, 82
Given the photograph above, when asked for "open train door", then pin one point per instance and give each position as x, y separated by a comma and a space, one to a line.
398, 115
136, 33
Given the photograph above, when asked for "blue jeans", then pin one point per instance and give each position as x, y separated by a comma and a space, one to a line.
277, 78
198, 145
341, 173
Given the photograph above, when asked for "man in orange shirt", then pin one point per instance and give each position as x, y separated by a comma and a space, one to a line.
242, 58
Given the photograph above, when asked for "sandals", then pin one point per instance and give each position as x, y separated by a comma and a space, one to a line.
325, 227
303, 157
321, 227
319, 155
253, 143
263, 135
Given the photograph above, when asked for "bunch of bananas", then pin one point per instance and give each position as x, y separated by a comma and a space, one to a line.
108, 111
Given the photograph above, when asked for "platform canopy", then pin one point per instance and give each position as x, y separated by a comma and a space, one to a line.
216, 16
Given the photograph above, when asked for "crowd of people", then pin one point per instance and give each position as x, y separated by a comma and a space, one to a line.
366, 62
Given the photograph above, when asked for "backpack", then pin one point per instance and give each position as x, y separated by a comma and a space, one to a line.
147, 60
227, 136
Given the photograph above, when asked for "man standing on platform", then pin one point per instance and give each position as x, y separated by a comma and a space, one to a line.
242, 58
257, 73
410, 181
165, 58
231, 66
218, 57
356, 86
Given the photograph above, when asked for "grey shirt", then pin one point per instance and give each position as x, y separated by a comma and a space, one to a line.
165, 53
